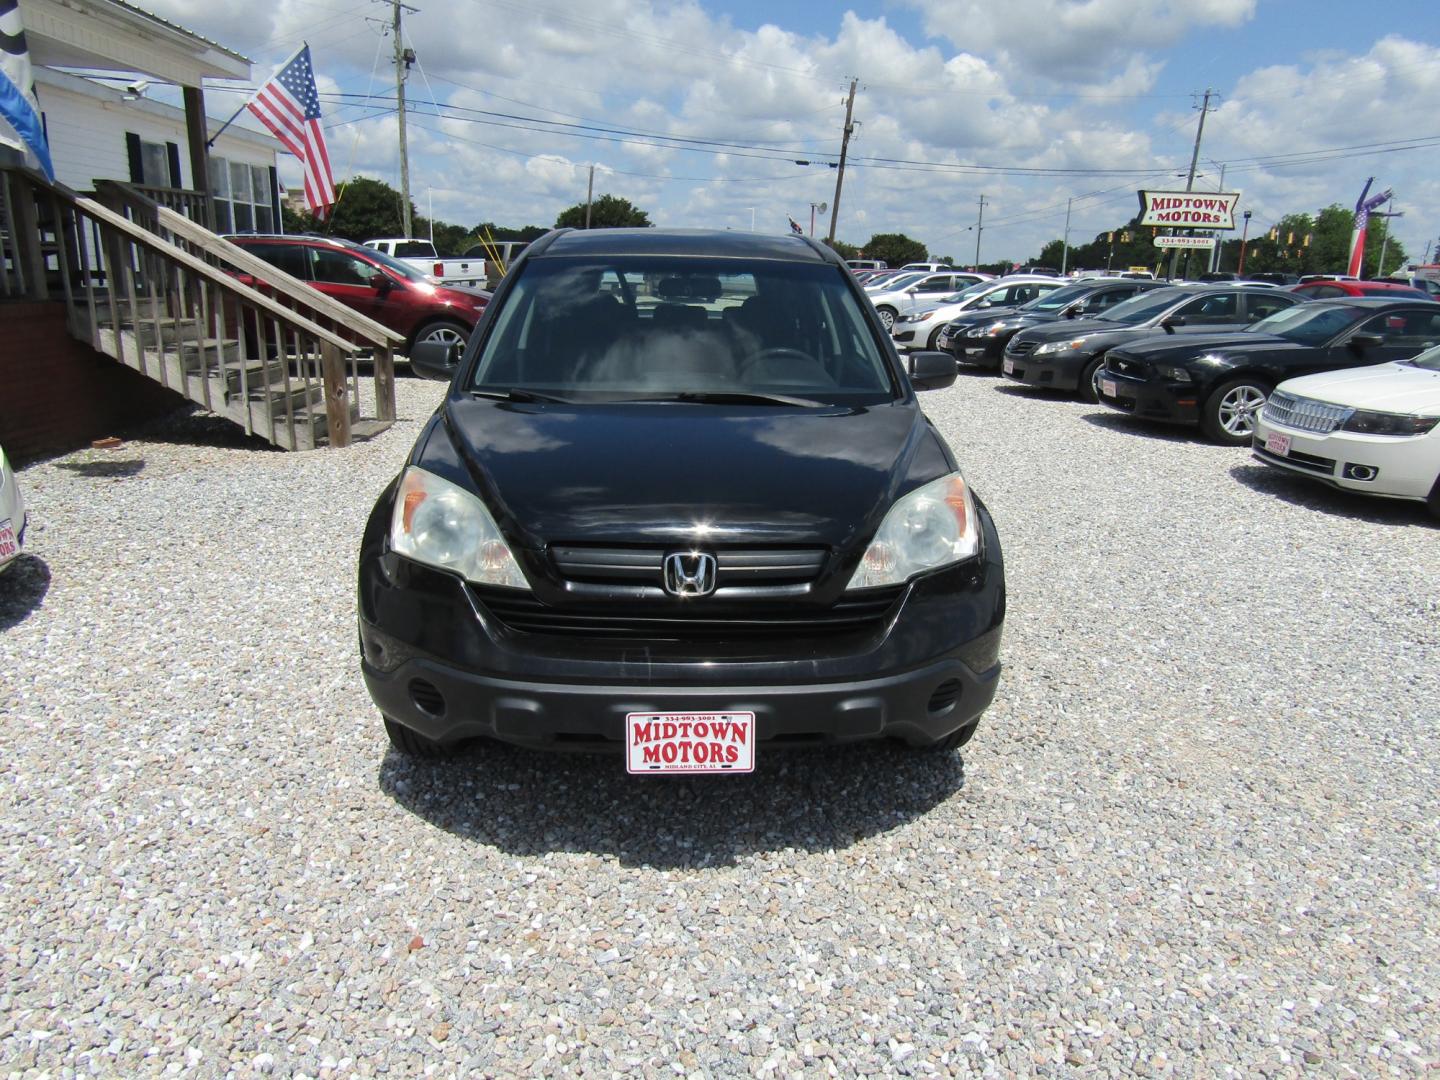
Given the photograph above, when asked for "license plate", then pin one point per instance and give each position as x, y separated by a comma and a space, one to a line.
690, 742
9, 548
1278, 444
1009, 366
1108, 388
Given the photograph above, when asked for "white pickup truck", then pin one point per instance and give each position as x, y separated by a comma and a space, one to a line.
421, 255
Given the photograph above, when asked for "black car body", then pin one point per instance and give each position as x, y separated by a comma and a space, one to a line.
1068, 355
1221, 381
680, 452
980, 340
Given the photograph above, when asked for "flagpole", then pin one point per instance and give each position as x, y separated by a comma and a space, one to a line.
210, 143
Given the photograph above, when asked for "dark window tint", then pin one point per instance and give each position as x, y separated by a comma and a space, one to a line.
1404, 329
414, 249
1261, 306
1217, 309
1107, 298
287, 257
341, 268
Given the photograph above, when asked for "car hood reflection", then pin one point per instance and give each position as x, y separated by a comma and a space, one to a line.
666, 472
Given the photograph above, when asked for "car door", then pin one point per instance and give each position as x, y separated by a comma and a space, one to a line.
357, 284
1403, 332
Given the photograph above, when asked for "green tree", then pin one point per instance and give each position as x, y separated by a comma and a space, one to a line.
366, 210
1052, 254
844, 250
607, 212
526, 233
896, 249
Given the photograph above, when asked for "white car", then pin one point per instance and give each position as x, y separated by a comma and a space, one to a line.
920, 329
12, 515
910, 293
1374, 430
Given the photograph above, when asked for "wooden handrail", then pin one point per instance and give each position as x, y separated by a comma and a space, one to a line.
283, 283
201, 268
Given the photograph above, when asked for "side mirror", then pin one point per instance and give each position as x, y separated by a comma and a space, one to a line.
1361, 342
1172, 322
912, 290
436, 360
931, 370
1073, 311
383, 284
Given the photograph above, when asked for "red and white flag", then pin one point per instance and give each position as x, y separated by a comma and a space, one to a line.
290, 107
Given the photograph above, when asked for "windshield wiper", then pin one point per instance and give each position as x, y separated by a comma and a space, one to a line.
738, 397
516, 393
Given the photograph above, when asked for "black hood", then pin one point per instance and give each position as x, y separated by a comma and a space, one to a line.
1165, 346
667, 472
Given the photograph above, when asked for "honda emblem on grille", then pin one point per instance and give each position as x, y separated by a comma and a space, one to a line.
689, 573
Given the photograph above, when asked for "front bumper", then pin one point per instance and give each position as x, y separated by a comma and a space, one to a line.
981, 352
1370, 464
438, 661
1059, 371
1170, 403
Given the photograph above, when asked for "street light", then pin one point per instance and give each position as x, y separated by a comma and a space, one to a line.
1244, 234
752, 217
822, 207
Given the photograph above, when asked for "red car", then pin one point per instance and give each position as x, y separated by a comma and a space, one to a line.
1331, 289
374, 284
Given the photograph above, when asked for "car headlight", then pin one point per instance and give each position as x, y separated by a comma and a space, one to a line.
995, 329
1059, 346
443, 525
933, 526
1365, 422
1174, 374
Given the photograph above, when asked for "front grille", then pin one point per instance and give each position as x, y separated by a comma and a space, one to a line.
1123, 365
682, 620
1019, 348
780, 568
1304, 414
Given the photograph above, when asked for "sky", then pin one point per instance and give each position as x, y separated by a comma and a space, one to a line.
1038, 105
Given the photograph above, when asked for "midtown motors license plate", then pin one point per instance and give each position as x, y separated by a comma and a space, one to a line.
1009, 366
9, 548
690, 742
1278, 444
1108, 388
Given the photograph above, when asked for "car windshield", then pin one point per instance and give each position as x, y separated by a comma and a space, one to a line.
404, 270
980, 288
1429, 359
1307, 324
1146, 306
655, 328
1058, 299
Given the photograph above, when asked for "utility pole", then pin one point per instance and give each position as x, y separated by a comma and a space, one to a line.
589, 195
1064, 244
844, 149
403, 57
1194, 161
979, 228
1215, 251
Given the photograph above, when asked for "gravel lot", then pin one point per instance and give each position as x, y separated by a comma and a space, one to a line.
1196, 836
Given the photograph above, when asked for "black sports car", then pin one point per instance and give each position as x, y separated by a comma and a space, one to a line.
1069, 355
979, 340
1221, 381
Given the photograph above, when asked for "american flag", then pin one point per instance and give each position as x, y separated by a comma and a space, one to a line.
290, 107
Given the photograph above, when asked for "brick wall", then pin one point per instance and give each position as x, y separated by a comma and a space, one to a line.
57, 394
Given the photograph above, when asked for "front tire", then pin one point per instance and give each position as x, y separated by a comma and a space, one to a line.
414, 745
887, 318
1228, 416
1089, 388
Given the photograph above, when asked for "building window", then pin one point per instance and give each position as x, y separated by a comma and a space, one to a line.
242, 197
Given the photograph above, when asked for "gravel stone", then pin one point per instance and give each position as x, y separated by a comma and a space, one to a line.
1195, 836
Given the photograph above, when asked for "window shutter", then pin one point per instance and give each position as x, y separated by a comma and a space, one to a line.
173, 152
132, 151
275, 199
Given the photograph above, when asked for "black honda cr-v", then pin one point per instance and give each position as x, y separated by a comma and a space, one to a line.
679, 502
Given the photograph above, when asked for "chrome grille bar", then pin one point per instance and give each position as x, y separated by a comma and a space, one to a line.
1305, 414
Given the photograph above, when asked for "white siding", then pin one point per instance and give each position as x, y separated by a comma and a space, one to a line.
87, 133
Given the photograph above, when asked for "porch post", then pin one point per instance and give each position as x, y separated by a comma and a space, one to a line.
197, 134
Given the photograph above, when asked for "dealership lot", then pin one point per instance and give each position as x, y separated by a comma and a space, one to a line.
1196, 832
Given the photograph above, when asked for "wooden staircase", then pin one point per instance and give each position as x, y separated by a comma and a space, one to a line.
160, 294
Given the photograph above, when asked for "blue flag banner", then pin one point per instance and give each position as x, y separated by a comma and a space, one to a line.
19, 110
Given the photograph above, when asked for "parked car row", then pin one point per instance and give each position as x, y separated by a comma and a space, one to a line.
1344, 389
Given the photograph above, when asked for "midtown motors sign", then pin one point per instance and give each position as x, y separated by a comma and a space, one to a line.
1193, 209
